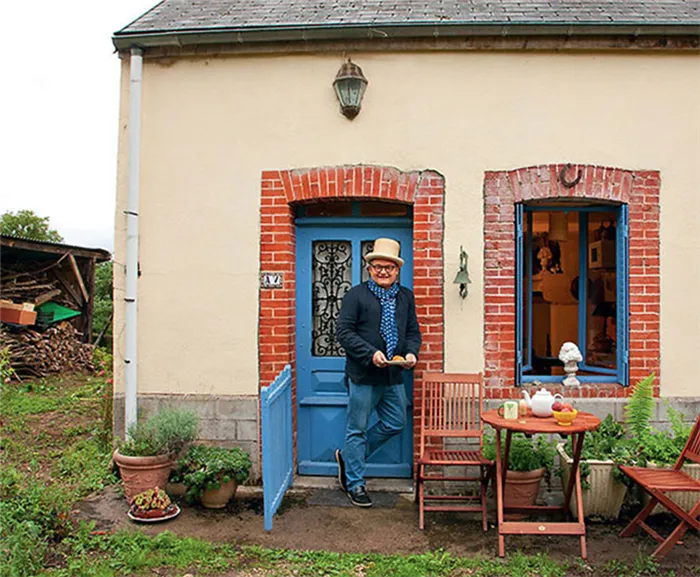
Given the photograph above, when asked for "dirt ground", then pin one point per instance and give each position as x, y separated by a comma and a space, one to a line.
392, 528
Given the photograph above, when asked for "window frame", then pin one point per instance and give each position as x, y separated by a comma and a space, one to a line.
523, 239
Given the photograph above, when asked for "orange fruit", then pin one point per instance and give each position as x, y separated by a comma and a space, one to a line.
398, 358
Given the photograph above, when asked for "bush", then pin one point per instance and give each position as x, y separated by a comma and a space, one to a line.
526, 454
204, 467
165, 432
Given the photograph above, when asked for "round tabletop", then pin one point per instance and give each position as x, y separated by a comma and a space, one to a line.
530, 424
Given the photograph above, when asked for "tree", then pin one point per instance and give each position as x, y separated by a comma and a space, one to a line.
28, 224
103, 306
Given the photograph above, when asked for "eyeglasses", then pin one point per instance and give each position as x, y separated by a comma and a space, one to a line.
384, 267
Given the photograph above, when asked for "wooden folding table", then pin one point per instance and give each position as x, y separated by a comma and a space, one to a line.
531, 425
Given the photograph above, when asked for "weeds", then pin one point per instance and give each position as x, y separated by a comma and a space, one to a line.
643, 566
44, 471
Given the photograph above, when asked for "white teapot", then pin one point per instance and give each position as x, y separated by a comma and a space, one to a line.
541, 402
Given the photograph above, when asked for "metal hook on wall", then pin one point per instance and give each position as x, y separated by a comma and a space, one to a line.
569, 183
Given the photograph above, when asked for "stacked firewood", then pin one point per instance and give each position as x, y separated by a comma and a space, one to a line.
37, 353
23, 288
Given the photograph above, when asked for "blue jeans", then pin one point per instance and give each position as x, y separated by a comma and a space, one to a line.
360, 444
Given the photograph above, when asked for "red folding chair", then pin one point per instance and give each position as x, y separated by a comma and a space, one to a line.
451, 406
659, 482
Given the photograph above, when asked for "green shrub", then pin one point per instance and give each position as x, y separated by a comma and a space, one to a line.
526, 454
165, 432
652, 445
204, 467
6, 370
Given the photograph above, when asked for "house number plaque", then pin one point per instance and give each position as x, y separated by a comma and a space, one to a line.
271, 280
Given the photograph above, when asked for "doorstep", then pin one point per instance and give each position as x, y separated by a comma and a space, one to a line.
378, 485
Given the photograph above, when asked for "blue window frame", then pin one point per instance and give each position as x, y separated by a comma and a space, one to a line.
556, 246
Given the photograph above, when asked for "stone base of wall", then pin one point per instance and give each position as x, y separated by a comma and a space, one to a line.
601, 408
225, 421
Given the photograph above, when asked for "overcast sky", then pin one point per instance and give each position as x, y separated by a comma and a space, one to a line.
59, 102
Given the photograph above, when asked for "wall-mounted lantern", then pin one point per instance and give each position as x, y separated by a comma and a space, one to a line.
350, 85
462, 278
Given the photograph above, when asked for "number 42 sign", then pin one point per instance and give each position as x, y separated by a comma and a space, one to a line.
271, 280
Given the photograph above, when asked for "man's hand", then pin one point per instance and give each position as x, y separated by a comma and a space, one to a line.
411, 361
379, 359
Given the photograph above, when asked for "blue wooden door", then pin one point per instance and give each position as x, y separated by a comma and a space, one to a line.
329, 262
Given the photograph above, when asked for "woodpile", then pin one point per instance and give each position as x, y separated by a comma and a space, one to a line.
22, 285
36, 353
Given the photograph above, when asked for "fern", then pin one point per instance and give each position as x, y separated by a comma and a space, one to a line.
680, 428
640, 407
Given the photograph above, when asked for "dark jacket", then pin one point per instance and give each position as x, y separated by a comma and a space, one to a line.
358, 333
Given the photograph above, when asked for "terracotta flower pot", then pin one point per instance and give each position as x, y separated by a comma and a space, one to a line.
141, 473
522, 488
218, 498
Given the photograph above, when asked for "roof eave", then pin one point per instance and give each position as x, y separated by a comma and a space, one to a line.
126, 40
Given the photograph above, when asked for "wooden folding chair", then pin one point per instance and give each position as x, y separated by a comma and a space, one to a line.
451, 406
659, 482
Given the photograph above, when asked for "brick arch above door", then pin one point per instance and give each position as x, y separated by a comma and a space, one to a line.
282, 190
640, 190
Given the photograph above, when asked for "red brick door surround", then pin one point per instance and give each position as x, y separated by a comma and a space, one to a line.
283, 190
640, 190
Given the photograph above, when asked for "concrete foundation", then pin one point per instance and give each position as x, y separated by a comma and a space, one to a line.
226, 421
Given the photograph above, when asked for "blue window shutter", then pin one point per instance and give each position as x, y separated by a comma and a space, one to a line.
623, 295
518, 293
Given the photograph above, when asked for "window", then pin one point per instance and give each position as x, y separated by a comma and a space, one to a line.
557, 246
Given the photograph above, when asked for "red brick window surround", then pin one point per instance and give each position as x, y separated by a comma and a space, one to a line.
502, 190
282, 190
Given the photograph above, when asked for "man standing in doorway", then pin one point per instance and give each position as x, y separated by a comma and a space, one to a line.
377, 324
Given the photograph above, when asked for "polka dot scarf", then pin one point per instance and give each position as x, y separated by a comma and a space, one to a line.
387, 328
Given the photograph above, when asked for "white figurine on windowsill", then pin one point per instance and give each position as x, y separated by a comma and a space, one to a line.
570, 355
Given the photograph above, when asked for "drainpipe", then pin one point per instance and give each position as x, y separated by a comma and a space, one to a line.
132, 240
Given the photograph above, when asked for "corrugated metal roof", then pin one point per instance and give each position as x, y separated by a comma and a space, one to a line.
219, 15
7, 241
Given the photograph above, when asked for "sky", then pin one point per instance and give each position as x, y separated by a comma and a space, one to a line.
59, 98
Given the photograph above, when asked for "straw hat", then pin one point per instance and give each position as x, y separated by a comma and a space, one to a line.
387, 249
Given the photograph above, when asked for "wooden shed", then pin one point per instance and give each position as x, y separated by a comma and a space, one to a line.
39, 272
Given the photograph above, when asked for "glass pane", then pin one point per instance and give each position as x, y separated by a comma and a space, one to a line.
528, 353
601, 310
331, 271
551, 263
367, 246
383, 209
329, 209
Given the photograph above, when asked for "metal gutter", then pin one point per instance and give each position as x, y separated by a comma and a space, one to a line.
132, 243
125, 40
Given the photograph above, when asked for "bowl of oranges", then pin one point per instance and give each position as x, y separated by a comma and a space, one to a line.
564, 413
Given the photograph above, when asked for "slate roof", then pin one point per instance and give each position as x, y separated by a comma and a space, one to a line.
208, 16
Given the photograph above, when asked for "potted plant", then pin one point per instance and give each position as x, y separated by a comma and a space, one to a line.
601, 481
529, 461
146, 457
152, 505
212, 474
658, 448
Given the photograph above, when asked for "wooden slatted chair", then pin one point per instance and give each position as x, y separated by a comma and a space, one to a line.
451, 406
658, 483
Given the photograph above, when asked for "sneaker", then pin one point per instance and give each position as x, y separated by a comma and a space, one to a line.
341, 470
359, 497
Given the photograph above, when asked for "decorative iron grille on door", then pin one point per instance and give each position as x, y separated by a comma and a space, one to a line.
331, 278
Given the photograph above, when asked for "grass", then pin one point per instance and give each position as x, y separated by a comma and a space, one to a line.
56, 446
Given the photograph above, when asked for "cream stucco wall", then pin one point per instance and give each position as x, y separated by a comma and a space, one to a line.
212, 125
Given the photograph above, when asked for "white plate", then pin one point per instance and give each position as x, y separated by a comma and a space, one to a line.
170, 515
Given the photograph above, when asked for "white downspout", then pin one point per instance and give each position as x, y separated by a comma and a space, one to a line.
132, 240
